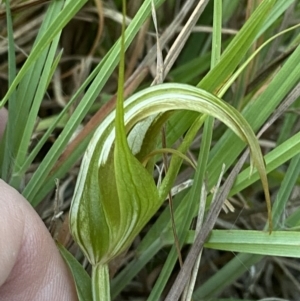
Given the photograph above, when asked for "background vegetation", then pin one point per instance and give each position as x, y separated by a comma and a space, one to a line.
58, 78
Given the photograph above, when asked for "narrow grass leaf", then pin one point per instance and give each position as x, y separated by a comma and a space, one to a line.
8, 146
81, 278
279, 243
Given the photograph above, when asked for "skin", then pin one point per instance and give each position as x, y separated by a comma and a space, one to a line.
31, 266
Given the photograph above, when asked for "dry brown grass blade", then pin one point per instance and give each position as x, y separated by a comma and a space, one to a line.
137, 47
159, 55
167, 35
99, 8
20, 7
183, 36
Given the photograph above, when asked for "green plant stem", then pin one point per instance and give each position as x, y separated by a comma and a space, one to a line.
100, 283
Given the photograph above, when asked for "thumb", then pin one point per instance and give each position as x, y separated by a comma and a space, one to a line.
31, 266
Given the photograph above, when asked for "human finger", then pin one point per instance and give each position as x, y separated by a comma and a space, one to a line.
31, 266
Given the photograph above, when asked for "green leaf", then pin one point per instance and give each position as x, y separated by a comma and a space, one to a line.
9, 146
279, 243
81, 277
